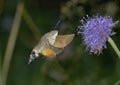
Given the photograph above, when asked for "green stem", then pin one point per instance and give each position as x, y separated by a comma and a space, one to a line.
31, 24
114, 46
0, 66
118, 82
12, 41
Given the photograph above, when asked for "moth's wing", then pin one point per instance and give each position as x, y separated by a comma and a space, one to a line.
57, 50
51, 51
48, 52
63, 40
52, 37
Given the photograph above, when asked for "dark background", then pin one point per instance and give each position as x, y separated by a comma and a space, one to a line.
74, 66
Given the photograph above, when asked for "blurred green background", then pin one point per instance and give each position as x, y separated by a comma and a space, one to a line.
74, 66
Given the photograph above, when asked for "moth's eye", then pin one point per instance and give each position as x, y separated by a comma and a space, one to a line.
33, 53
33, 56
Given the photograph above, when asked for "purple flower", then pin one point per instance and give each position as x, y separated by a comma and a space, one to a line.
95, 32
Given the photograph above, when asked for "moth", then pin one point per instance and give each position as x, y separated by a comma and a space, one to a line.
50, 45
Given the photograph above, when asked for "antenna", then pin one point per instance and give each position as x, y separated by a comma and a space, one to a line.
56, 27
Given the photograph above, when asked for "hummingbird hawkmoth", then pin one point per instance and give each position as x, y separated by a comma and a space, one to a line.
50, 45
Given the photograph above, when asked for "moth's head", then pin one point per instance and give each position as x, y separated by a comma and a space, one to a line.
34, 54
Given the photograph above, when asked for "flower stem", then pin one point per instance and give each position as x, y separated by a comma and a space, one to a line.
118, 82
34, 28
12, 41
112, 43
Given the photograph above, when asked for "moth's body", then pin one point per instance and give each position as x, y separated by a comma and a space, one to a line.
43, 44
50, 44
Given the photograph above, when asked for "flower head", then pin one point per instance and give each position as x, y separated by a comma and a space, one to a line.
95, 32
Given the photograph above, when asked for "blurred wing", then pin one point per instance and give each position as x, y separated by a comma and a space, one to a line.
48, 52
52, 37
51, 52
63, 40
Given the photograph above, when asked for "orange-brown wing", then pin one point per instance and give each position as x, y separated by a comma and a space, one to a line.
51, 51
48, 52
63, 40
